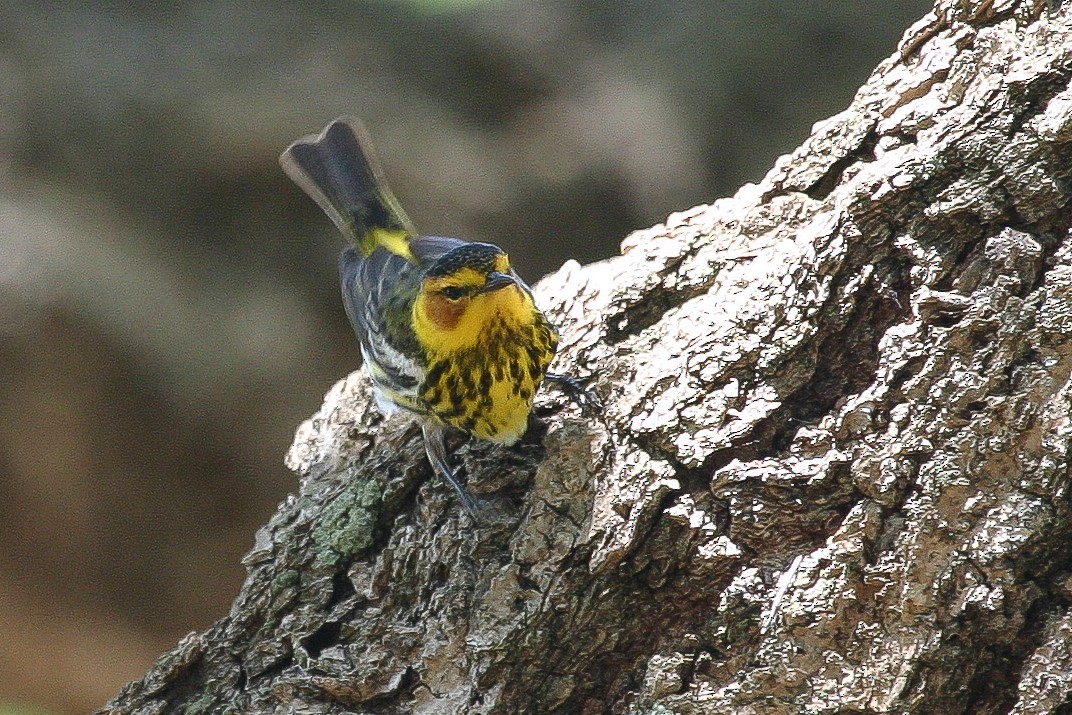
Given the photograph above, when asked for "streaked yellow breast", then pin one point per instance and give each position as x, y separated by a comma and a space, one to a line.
484, 384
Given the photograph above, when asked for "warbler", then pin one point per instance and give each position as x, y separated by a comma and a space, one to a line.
448, 331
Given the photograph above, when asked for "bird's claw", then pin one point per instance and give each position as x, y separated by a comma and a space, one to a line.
575, 389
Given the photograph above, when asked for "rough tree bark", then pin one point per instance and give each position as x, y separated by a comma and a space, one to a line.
832, 474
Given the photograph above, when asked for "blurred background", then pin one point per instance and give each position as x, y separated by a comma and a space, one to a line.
169, 307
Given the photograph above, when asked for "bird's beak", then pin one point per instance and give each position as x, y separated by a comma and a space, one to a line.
497, 280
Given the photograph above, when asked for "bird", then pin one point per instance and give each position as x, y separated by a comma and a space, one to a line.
448, 331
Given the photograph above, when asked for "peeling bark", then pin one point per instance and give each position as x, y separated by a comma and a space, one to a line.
832, 474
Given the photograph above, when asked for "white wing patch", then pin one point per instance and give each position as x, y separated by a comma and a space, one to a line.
390, 396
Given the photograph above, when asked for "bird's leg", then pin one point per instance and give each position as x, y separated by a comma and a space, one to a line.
575, 390
435, 446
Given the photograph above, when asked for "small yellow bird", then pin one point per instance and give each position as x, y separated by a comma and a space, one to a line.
448, 330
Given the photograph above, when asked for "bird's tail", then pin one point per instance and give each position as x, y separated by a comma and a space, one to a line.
338, 171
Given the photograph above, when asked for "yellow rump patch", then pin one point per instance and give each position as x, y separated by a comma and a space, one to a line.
395, 240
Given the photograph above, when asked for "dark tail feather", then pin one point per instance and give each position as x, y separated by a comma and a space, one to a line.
338, 171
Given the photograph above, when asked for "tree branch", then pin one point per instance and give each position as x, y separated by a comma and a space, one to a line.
831, 475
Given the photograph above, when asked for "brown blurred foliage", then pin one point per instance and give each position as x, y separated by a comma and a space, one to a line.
168, 301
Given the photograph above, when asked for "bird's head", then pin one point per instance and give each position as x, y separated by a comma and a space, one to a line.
467, 293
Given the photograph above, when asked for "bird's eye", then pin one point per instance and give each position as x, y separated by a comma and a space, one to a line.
453, 292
